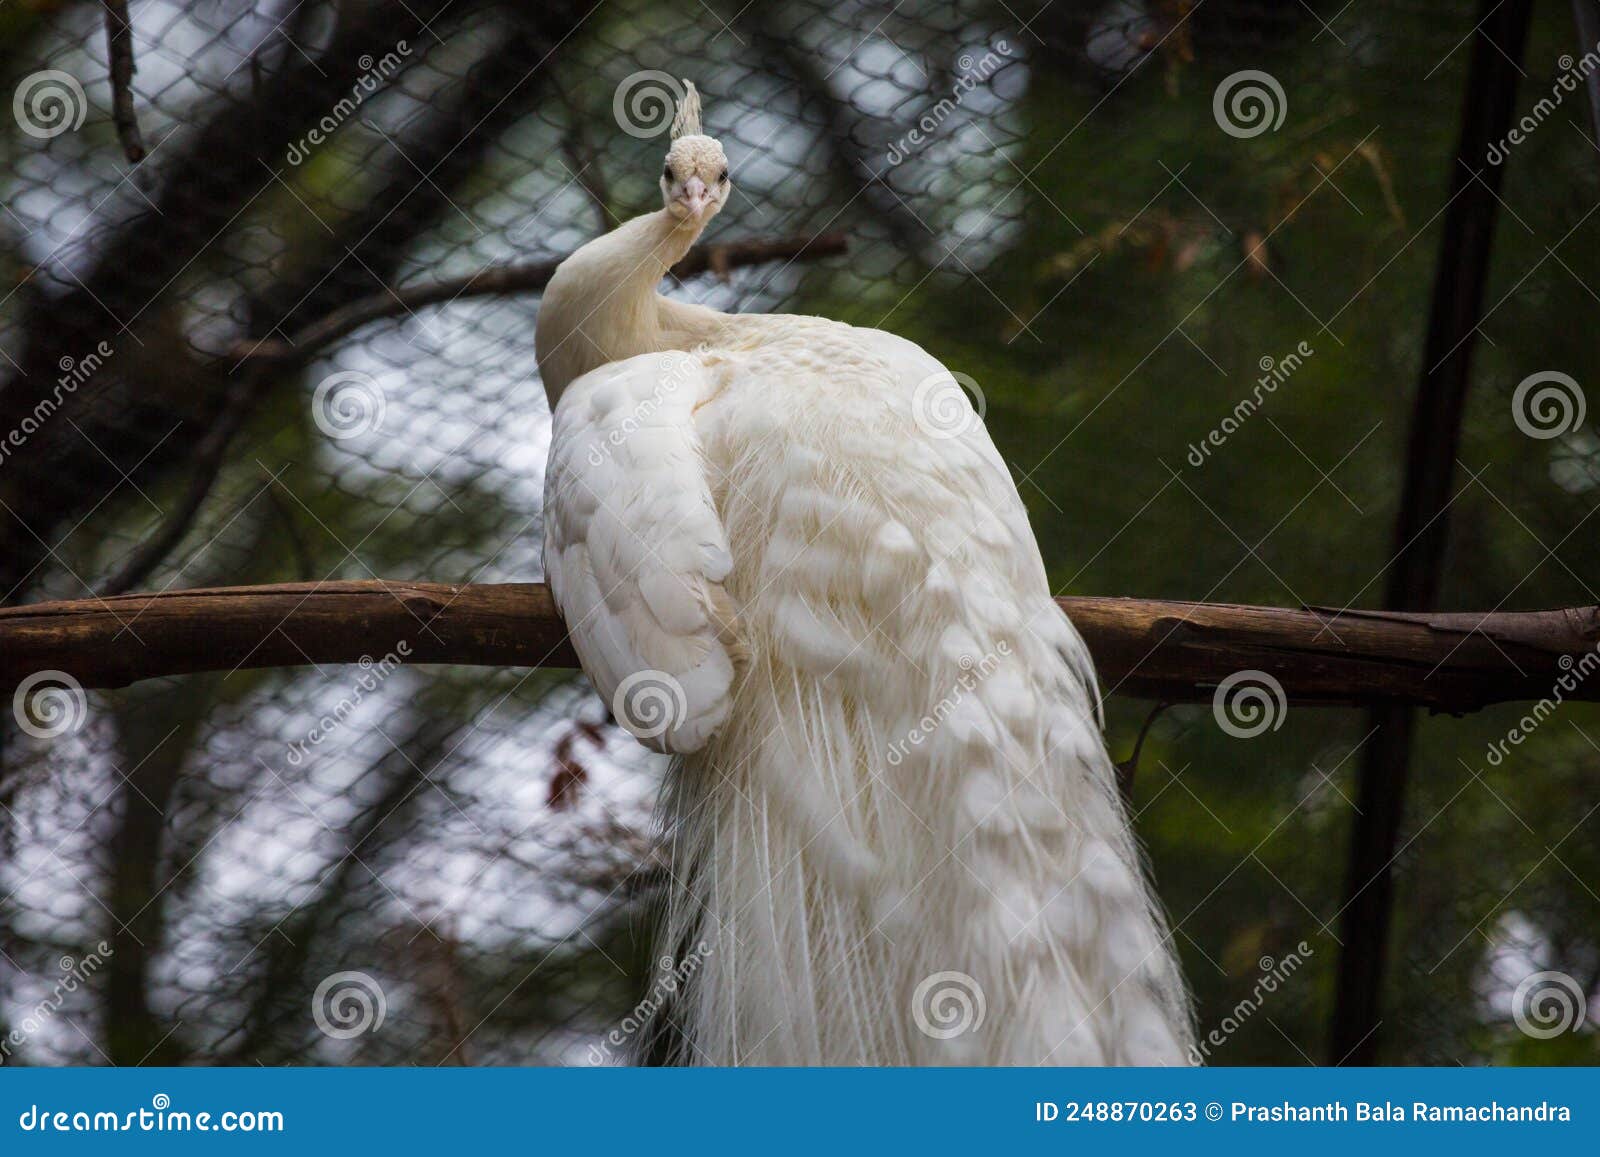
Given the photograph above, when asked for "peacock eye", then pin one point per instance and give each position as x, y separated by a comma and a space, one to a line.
723, 180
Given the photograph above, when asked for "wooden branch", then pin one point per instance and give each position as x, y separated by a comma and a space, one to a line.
1171, 651
119, 51
528, 277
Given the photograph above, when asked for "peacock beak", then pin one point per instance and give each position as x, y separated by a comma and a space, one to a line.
694, 196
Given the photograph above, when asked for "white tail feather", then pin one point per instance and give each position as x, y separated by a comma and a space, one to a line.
906, 846
819, 952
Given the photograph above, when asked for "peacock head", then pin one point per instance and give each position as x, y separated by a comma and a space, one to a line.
694, 181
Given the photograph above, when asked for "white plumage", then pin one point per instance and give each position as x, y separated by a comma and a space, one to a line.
892, 821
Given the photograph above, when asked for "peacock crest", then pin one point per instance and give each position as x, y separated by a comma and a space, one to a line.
686, 122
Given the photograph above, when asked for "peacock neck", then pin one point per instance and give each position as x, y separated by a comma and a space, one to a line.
602, 306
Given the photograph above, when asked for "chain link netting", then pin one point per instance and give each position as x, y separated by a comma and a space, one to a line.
393, 864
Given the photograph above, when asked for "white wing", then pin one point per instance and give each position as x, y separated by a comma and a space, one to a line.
634, 551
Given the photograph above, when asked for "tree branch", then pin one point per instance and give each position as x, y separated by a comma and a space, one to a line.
152, 383
119, 50
583, 159
1171, 651
209, 454
526, 277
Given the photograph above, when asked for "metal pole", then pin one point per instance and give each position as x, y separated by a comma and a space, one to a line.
1422, 526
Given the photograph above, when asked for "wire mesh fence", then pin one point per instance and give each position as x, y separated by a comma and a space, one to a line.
398, 864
